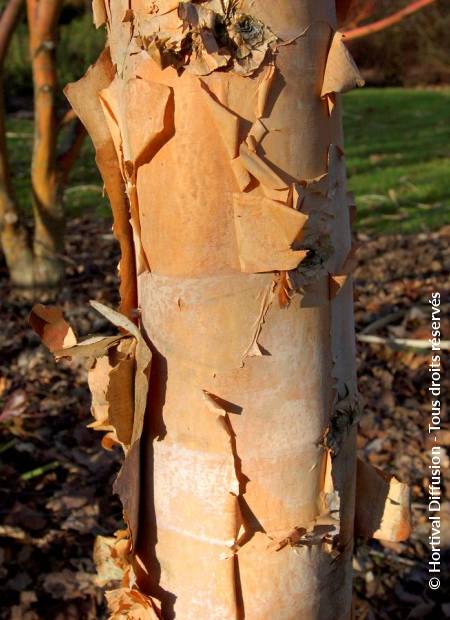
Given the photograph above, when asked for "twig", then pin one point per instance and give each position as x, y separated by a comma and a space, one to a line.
6, 446
383, 321
18, 534
395, 558
39, 471
18, 135
67, 118
66, 160
83, 188
381, 24
394, 316
406, 343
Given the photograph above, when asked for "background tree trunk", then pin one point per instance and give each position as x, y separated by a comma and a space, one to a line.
37, 265
47, 208
13, 236
242, 500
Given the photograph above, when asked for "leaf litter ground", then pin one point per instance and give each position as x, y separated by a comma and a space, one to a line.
56, 481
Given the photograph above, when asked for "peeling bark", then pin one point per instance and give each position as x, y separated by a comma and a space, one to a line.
224, 162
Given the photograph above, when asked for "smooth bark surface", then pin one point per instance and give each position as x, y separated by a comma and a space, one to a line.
37, 262
43, 18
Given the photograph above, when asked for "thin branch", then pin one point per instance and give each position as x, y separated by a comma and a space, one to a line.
383, 321
67, 159
402, 343
67, 118
88, 187
386, 22
8, 22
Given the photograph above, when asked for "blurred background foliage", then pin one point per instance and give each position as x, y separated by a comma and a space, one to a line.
414, 52
78, 46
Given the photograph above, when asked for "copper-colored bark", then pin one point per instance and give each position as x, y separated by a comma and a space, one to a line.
387, 22
87, 104
13, 236
47, 209
8, 21
218, 133
37, 264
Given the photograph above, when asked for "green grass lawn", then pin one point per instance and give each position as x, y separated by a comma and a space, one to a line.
397, 151
398, 158
85, 187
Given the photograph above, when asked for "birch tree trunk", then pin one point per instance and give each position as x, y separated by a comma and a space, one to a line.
218, 132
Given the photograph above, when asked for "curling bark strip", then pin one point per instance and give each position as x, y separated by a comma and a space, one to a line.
222, 153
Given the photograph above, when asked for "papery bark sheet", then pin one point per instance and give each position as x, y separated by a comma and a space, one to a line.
223, 158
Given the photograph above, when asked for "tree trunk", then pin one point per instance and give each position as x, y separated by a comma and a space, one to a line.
13, 236
46, 199
39, 265
223, 127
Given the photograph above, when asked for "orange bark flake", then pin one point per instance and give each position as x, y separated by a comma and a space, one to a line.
227, 176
